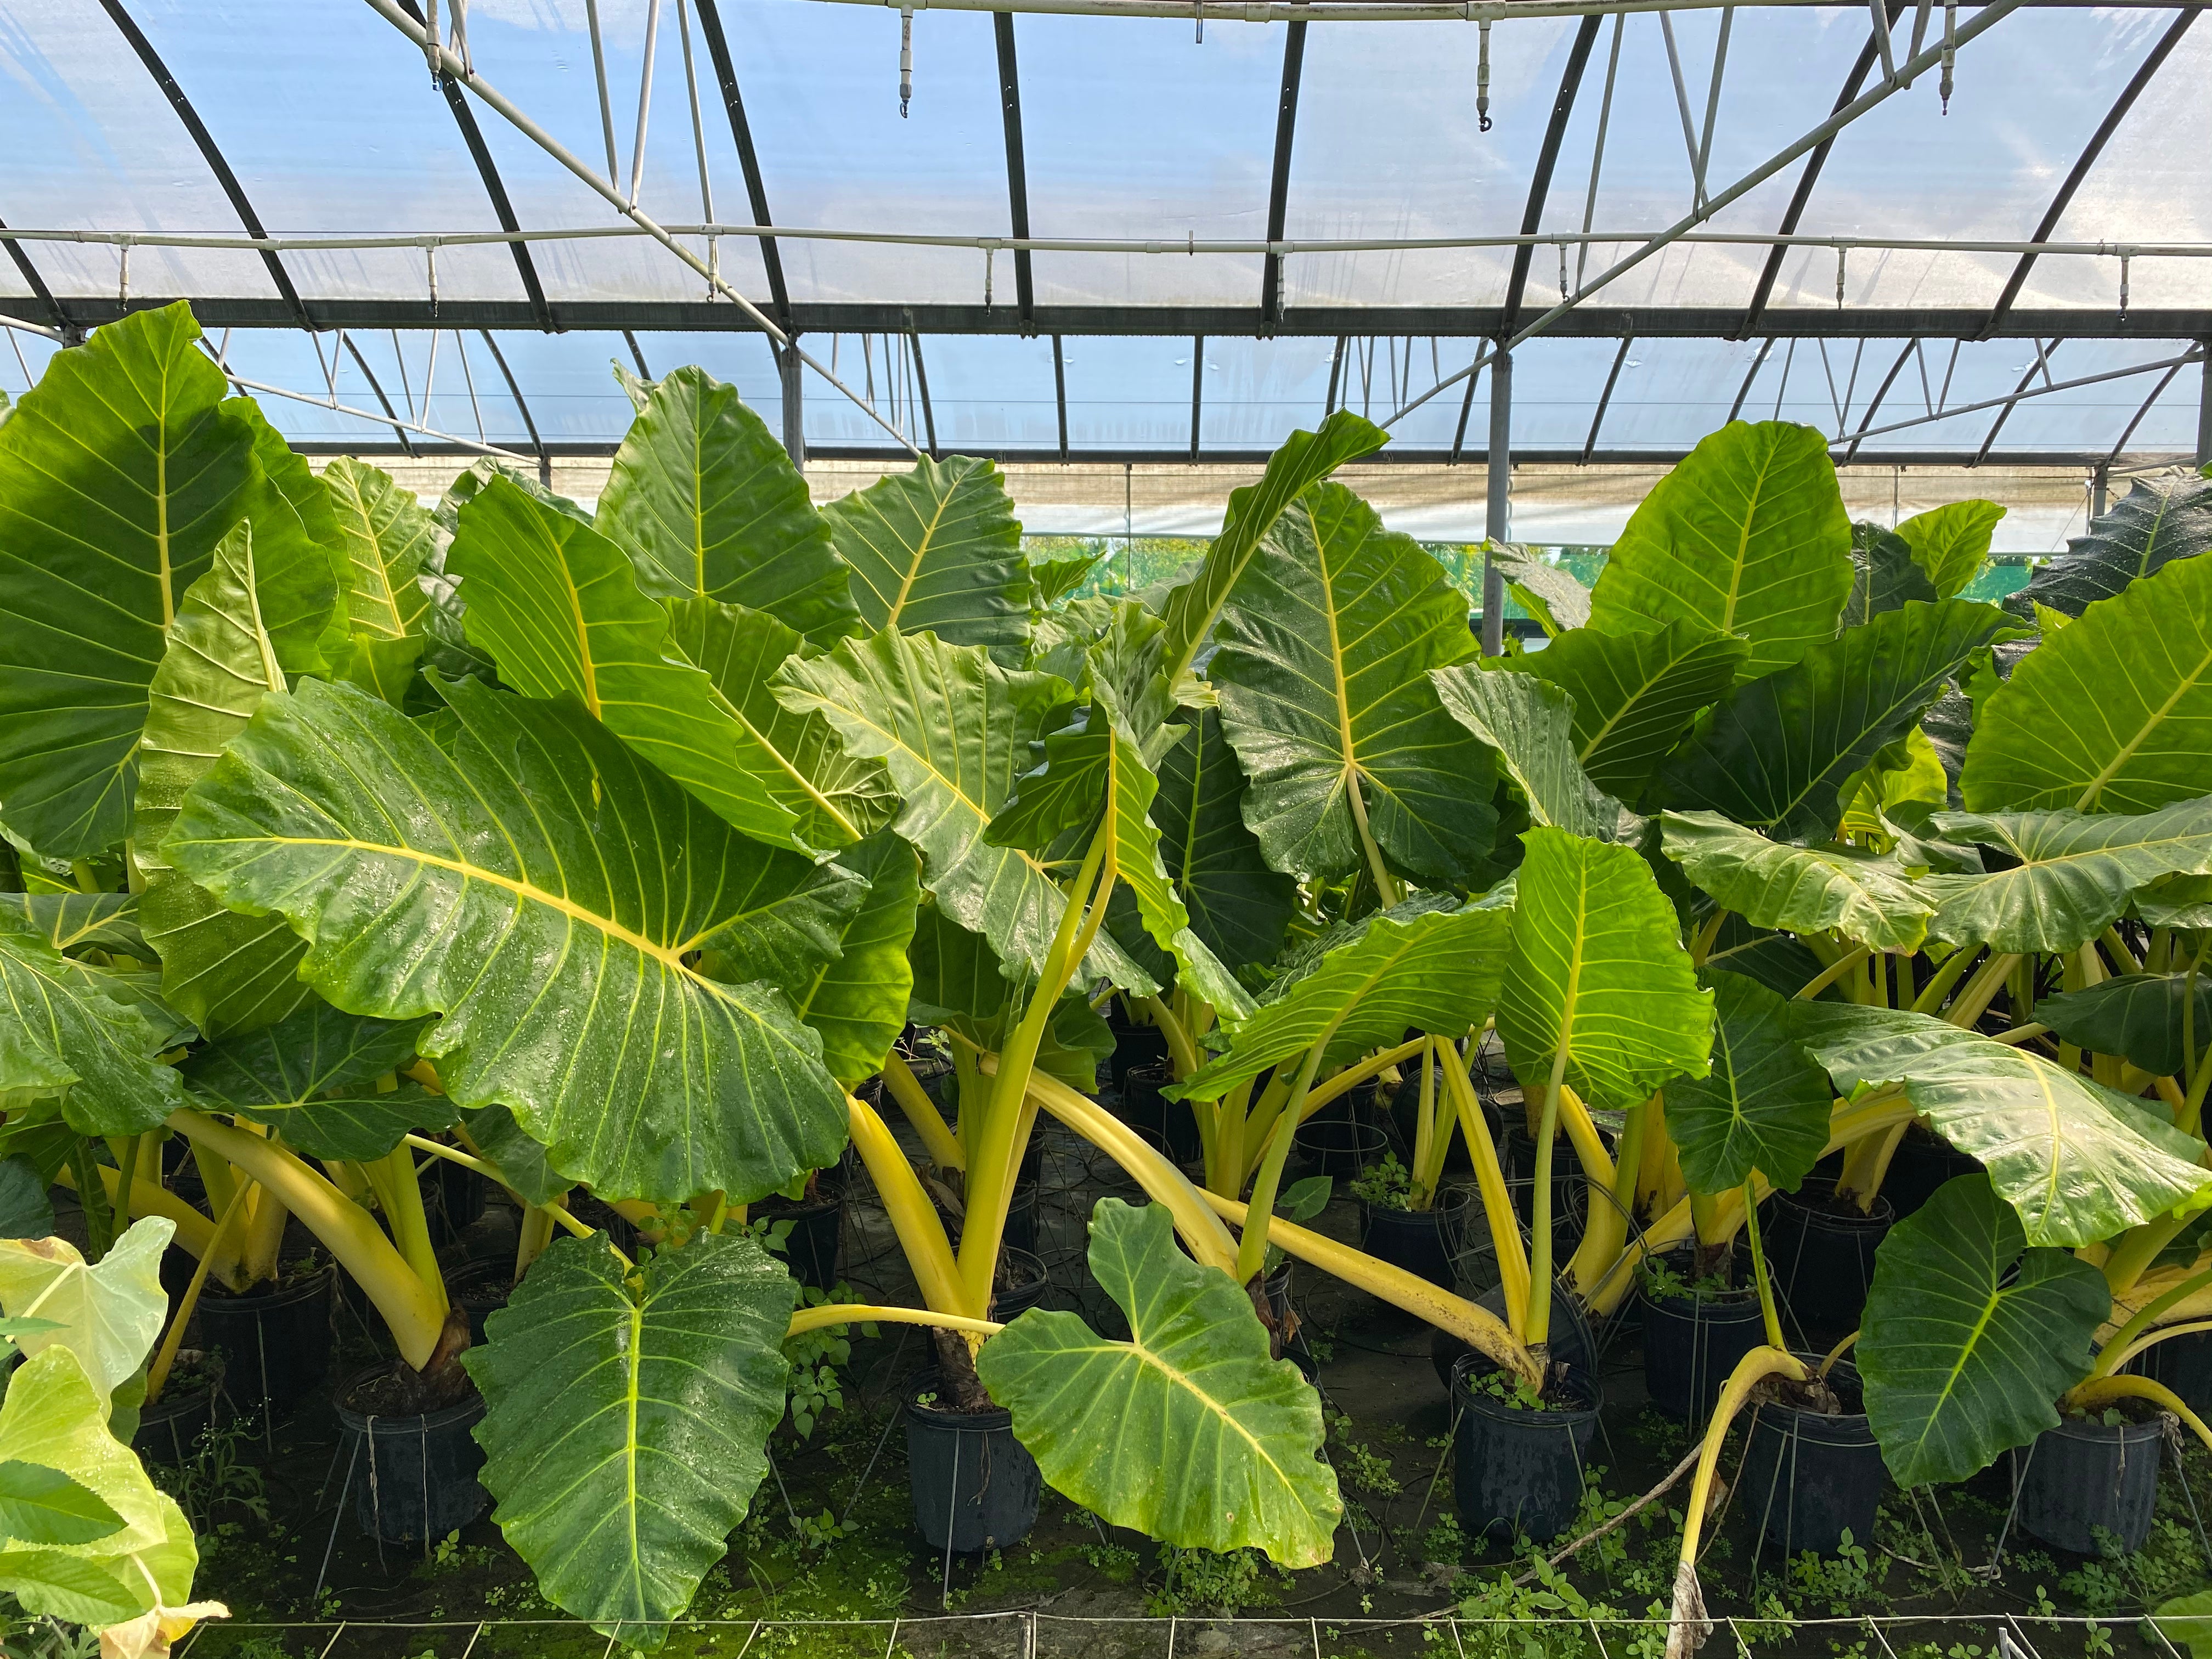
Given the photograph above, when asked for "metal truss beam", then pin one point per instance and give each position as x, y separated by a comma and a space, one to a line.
1450, 322
1018, 177
1539, 182
1279, 187
209, 152
741, 135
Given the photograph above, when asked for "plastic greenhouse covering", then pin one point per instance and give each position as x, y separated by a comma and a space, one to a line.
2013, 276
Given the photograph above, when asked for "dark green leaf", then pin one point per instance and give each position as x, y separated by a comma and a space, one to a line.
1884, 575
83, 922
1970, 1338
626, 1417
24, 1210
73, 1035
1777, 753
1635, 693
312, 1077
2159, 520
1238, 906
1765, 1106
1531, 726
2069, 875
1865, 897
2139, 1017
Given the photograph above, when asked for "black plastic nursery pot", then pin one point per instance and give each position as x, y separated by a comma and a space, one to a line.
1425, 1243
1168, 1125
1820, 1251
1134, 1044
1021, 1229
975, 1487
453, 1199
1513, 1468
1021, 1284
275, 1345
1340, 1139
413, 1478
169, 1429
817, 1227
1573, 1344
480, 1289
2183, 1364
1517, 1152
1809, 1477
1923, 1162
2084, 1480
1691, 1344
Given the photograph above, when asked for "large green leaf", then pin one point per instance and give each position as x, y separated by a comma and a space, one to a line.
2159, 520
312, 1078
939, 550
386, 534
55, 1416
1323, 676
1634, 694
108, 1312
1765, 1105
1238, 906
82, 922
1187, 1431
1428, 970
558, 605
2078, 1162
26, 1211
225, 971
835, 798
627, 1413
706, 500
119, 471
466, 868
1303, 459
857, 1004
1531, 726
1867, 897
954, 729
2111, 713
1776, 753
1598, 972
2139, 1017
1951, 543
1970, 1337
70, 1033
2069, 875
1747, 535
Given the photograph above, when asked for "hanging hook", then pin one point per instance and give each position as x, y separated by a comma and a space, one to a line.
1563, 272
1482, 78
906, 58
430, 43
431, 260
1950, 51
2125, 258
1840, 252
990, 253
122, 280
1197, 15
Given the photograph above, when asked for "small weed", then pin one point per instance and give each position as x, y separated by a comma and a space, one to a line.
1224, 1584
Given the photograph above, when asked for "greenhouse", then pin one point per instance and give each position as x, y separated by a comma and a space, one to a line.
1035, 828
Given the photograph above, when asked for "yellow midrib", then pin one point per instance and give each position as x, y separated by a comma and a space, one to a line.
671, 956
162, 503
2111, 769
921, 551
629, 1460
1352, 769
585, 665
896, 742
365, 531
791, 770
1181, 1380
1743, 544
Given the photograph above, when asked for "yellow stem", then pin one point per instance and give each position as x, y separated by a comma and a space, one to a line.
194, 1230
1496, 1198
2102, 1390
1837, 1352
1181, 1051
1834, 971
1974, 1001
1941, 982
410, 1308
913, 1217
2191, 1328
1252, 1247
1208, 1240
944, 1147
1751, 1370
853, 1313
157, 1374
1477, 1327
1537, 1321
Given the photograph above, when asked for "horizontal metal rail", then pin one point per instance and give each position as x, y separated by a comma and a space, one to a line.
1389, 11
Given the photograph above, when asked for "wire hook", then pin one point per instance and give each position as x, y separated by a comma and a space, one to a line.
1840, 255
1950, 51
2125, 258
1482, 78
1197, 15
990, 253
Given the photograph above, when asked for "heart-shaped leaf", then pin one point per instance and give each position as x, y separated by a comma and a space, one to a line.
1635, 693
1187, 1431
2159, 520
1951, 543
937, 551
76, 1035
1531, 726
1866, 897
108, 1312
2139, 1017
312, 1077
1970, 1337
1764, 1106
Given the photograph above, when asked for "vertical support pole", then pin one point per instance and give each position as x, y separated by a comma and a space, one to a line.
2099, 487
2204, 407
1496, 514
795, 402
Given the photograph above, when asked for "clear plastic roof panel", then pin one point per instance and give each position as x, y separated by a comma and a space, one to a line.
1898, 324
